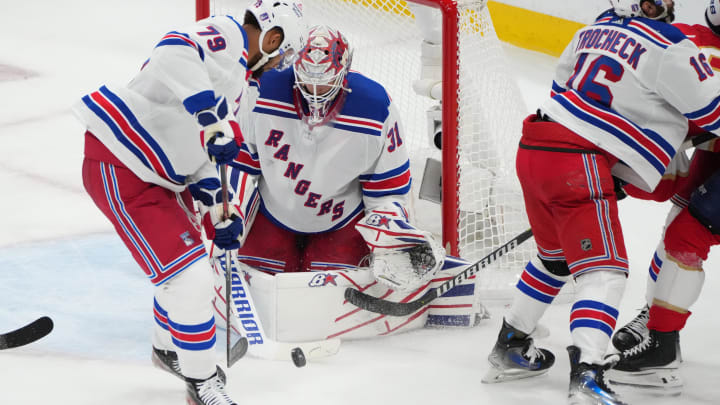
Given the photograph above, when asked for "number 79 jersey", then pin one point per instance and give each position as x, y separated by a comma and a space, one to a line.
629, 85
318, 179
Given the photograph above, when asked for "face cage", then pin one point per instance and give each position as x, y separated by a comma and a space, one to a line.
318, 104
287, 60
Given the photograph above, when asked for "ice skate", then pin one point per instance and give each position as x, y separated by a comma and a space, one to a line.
587, 383
167, 360
652, 364
634, 332
515, 356
207, 392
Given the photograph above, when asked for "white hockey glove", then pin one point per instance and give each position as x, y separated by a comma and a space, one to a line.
403, 258
221, 136
225, 234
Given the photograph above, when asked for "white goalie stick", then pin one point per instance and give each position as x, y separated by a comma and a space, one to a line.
260, 344
27, 334
235, 351
381, 306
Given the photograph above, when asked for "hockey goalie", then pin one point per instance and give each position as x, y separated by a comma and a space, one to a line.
321, 184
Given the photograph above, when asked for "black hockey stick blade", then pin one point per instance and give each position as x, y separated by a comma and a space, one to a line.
29, 333
698, 140
380, 306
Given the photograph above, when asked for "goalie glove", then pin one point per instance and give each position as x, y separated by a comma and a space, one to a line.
403, 257
225, 233
221, 136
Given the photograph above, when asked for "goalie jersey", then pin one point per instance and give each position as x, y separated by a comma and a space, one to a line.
318, 179
630, 85
149, 124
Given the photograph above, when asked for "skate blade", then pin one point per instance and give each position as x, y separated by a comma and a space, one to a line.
584, 399
666, 381
496, 375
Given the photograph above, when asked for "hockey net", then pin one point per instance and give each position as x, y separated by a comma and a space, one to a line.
482, 113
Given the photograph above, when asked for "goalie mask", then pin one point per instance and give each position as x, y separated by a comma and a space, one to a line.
286, 15
633, 8
320, 72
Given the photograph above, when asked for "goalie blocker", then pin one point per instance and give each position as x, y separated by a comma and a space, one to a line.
307, 306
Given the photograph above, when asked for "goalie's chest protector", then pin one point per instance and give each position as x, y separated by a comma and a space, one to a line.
310, 177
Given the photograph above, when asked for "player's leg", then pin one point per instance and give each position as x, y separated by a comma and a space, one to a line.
341, 249
270, 247
702, 165
688, 240
164, 242
591, 236
158, 229
514, 354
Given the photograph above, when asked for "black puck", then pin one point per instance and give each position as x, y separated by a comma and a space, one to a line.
298, 357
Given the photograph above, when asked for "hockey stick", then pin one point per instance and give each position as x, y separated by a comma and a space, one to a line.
260, 344
29, 333
380, 306
235, 351
697, 140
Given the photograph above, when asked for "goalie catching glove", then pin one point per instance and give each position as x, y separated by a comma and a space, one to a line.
220, 136
225, 233
403, 257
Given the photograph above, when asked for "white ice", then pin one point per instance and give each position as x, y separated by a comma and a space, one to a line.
60, 257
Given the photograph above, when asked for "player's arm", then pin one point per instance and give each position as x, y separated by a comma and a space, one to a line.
687, 81
403, 257
179, 61
206, 189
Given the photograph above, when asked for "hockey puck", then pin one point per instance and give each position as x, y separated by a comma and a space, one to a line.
298, 357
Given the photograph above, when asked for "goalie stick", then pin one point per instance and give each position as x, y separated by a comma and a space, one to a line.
380, 306
29, 333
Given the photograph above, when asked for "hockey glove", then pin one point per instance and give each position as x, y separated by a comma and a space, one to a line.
220, 135
403, 257
224, 233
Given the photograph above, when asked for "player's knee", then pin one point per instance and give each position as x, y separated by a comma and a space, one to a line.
705, 204
193, 287
556, 267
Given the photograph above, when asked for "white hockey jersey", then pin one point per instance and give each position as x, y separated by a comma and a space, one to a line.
318, 180
149, 124
629, 85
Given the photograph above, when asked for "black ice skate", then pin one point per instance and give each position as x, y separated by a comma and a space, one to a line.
634, 332
587, 383
652, 364
207, 392
167, 360
515, 356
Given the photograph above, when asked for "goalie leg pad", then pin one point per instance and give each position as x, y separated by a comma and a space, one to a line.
324, 313
456, 307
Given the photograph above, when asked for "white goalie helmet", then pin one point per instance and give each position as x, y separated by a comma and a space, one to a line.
633, 8
284, 14
321, 69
